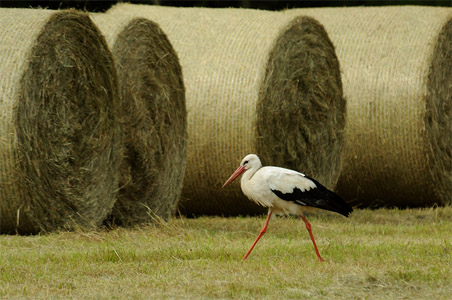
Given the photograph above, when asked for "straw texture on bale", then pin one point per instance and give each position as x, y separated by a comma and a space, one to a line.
59, 128
153, 103
397, 64
256, 82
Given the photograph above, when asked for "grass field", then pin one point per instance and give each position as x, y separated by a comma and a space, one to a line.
381, 254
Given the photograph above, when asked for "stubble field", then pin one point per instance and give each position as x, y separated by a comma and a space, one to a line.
375, 254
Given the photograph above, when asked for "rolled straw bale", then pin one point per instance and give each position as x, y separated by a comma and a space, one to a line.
397, 64
59, 130
153, 101
256, 82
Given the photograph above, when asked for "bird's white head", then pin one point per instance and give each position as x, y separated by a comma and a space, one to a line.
249, 162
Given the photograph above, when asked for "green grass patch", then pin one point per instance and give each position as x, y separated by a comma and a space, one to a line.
380, 254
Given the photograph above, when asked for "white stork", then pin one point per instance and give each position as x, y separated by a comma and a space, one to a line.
285, 191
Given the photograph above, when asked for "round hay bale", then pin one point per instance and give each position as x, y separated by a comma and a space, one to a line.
60, 135
253, 80
396, 64
153, 102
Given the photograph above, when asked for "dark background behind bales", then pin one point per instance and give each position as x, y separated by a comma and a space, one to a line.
100, 6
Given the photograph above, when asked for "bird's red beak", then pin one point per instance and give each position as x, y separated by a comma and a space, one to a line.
234, 175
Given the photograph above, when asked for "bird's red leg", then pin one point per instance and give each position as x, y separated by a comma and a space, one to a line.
308, 227
261, 233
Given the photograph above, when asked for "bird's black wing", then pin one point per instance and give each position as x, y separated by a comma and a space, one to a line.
319, 197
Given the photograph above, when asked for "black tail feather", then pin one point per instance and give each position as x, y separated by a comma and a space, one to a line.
319, 197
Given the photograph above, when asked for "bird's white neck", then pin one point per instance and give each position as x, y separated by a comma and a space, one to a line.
249, 173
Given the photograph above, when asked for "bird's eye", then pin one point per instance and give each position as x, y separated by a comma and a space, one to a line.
245, 162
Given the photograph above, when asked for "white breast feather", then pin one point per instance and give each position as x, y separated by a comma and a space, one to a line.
256, 190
